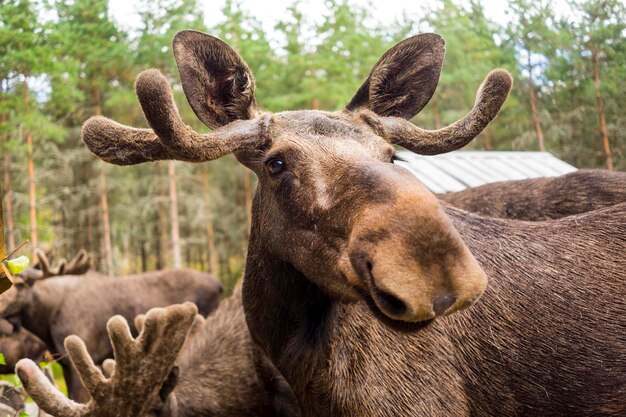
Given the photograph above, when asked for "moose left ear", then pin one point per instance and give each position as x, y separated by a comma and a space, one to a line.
217, 82
404, 79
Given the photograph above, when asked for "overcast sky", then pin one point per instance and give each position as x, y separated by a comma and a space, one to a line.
271, 11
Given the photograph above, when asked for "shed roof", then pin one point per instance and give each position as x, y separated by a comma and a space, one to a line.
456, 171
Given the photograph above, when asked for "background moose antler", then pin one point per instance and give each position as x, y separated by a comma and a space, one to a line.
77, 266
141, 367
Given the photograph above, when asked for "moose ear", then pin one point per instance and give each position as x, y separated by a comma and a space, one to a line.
217, 82
404, 79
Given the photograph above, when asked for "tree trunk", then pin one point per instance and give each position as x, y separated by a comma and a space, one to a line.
3, 249
171, 170
601, 115
106, 226
8, 190
436, 114
188, 259
87, 201
533, 106
32, 197
107, 247
164, 242
213, 264
144, 256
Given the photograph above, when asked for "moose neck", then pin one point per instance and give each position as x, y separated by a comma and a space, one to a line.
288, 315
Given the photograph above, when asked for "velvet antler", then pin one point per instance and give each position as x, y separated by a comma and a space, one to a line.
79, 264
197, 325
490, 97
141, 367
170, 137
43, 264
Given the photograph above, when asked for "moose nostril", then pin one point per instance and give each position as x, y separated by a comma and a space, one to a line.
390, 303
443, 302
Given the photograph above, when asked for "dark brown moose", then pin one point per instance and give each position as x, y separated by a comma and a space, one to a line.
57, 307
354, 268
15, 341
544, 198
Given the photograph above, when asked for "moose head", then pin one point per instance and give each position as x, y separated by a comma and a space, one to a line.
330, 202
20, 295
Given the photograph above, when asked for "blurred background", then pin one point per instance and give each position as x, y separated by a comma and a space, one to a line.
64, 61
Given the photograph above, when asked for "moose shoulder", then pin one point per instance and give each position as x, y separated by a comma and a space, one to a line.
357, 283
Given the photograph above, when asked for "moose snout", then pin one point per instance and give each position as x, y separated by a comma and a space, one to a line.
411, 261
443, 302
402, 294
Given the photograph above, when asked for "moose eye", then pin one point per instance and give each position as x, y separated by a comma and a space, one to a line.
276, 166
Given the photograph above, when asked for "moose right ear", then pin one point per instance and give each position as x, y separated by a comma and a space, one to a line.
217, 82
404, 79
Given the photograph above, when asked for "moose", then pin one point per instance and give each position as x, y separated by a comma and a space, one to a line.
17, 342
368, 295
55, 307
219, 371
544, 198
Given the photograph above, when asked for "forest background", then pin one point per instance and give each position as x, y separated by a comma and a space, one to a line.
62, 61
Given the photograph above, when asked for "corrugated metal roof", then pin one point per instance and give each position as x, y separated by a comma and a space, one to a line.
456, 171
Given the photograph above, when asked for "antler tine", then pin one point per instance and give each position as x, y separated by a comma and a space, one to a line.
47, 396
489, 99
43, 264
198, 322
196, 326
60, 268
79, 264
141, 366
171, 138
120, 144
108, 367
159, 107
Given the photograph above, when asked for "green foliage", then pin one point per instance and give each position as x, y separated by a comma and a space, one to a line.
72, 60
2, 360
17, 265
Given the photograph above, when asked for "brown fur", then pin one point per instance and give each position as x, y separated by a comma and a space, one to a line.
55, 308
546, 339
18, 343
15, 341
222, 372
544, 198
351, 258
